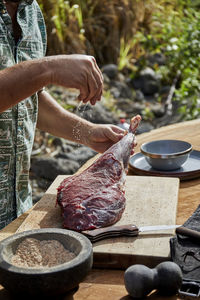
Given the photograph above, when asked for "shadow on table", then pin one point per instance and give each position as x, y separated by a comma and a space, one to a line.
153, 296
189, 183
6, 295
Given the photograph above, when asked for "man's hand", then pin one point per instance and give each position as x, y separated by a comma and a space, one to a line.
59, 122
80, 72
71, 71
102, 137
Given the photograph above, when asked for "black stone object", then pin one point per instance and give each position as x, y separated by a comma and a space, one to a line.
48, 281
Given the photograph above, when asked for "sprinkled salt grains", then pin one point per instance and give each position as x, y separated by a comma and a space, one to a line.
35, 253
76, 131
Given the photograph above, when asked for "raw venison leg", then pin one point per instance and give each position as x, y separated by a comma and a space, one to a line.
96, 198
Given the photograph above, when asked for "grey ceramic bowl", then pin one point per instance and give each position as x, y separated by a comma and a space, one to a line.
166, 155
50, 281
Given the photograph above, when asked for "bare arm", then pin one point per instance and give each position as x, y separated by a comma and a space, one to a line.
71, 71
56, 120
59, 122
21, 81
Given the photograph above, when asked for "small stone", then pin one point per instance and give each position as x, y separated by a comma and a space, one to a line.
111, 70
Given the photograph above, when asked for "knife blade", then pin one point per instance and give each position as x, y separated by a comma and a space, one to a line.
98, 234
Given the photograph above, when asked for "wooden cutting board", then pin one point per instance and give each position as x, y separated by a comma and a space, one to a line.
149, 201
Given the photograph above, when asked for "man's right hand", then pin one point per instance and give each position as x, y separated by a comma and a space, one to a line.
71, 71
77, 71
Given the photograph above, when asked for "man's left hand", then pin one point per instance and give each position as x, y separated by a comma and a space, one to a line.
102, 137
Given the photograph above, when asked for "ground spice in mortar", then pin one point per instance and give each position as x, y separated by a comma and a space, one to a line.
35, 254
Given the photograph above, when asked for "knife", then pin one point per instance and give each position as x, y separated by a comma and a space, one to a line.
98, 234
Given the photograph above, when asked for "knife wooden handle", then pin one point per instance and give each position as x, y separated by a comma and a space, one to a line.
111, 231
188, 232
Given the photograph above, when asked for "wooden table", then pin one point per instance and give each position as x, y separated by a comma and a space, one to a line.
109, 284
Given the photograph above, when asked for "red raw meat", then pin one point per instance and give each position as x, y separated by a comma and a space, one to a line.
95, 198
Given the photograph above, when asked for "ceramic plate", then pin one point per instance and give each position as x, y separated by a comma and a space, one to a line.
189, 170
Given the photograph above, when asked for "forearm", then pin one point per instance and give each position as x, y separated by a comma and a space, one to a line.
71, 71
57, 121
21, 81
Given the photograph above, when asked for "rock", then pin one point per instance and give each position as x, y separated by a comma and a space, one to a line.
57, 142
147, 81
120, 90
139, 281
139, 96
111, 70
80, 155
164, 92
50, 168
67, 148
144, 127
158, 109
136, 83
37, 197
126, 105
97, 114
157, 58
115, 92
150, 87
121, 77
66, 95
138, 107
148, 73
43, 183
151, 98
106, 79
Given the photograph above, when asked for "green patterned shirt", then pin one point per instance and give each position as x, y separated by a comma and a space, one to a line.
17, 124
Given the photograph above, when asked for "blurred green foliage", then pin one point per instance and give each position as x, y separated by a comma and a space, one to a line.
175, 32
125, 31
